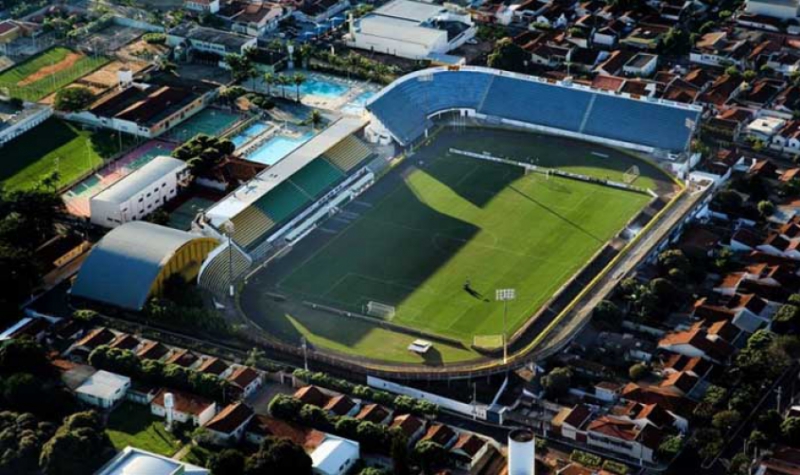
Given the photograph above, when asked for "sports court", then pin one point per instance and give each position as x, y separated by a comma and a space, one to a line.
436, 237
210, 121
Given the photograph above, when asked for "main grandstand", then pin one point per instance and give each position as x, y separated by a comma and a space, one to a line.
264, 212
405, 110
537, 197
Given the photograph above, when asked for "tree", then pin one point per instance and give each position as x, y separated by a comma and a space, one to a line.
285, 407
315, 118
766, 208
283, 81
558, 381
787, 319
80, 445
241, 66
278, 455
24, 355
725, 421
670, 446
399, 454
73, 99
228, 462
769, 424
508, 56
608, 314
430, 456
298, 79
21, 442
740, 464
729, 201
269, 80
638, 371
790, 429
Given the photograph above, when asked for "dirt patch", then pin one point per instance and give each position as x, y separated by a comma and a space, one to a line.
66, 63
107, 76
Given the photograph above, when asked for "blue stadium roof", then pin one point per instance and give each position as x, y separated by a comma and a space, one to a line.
405, 107
123, 266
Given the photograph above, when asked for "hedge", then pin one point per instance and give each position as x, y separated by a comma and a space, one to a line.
586, 459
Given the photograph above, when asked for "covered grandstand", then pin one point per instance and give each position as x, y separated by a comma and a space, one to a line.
278, 195
405, 109
132, 262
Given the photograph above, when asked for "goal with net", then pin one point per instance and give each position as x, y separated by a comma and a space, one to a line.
380, 310
630, 175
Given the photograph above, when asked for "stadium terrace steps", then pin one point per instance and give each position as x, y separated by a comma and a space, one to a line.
249, 225
282, 201
316, 177
348, 153
216, 275
405, 107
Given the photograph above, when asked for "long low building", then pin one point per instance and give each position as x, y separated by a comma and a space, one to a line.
404, 110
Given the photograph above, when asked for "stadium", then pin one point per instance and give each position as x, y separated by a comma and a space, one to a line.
469, 207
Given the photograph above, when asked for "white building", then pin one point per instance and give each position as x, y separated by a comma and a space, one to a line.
185, 407
133, 461
202, 6
335, 456
412, 29
783, 9
140, 193
765, 127
103, 389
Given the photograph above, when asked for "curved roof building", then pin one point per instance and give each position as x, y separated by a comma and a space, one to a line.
133, 261
406, 106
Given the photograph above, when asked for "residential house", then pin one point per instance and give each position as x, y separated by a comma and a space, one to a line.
342, 405
103, 389
412, 427
374, 413
469, 451
187, 408
228, 426
624, 437
701, 341
441, 434
245, 380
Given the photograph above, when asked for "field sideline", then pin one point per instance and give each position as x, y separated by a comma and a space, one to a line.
453, 229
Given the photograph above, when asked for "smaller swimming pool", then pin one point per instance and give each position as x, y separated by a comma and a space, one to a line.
279, 146
249, 132
323, 88
356, 106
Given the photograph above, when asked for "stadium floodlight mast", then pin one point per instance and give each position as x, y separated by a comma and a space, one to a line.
229, 228
505, 295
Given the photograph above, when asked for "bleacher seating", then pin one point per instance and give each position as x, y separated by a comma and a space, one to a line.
216, 275
249, 225
404, 108
640, 122
348, 153
282, 202
316, 177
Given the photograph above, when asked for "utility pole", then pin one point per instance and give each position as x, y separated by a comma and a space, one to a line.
304, 345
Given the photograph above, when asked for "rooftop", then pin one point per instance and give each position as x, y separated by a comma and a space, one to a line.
103, 385
138, 180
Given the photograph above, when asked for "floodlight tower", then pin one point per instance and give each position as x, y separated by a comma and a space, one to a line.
505, 296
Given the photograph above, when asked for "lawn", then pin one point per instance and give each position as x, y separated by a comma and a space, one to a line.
47, 72
442, 238
132, 424
55, 145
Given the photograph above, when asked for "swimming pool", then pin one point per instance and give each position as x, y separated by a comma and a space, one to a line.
356, 106
323, 88
249, 132
274, 149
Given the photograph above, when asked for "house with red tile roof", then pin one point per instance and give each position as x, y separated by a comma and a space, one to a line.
695, 366
374, 413
469, 451
412, 427
245, 380
781, 461
701, 340
312, 395
261, 426
342, 405
441, 434
187, 407
97, 337
620, 436
152, 350
228, 426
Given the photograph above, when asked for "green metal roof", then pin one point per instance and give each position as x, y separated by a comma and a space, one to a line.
122, 267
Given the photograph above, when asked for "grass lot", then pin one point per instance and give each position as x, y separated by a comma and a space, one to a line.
446, 220
132, 424
57, 67
29, 158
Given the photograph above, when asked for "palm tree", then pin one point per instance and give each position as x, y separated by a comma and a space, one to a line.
353, 61
298, 79
269, 80
315, 118
283, 81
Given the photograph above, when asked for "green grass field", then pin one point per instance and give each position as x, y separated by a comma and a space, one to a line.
14, 79
448, 220
31, 157
132, 424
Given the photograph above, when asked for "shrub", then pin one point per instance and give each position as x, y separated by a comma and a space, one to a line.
155, 38
615, 467
586, 459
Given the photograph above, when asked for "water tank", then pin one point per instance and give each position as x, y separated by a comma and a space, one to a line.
521, 452
125, 77
169, 401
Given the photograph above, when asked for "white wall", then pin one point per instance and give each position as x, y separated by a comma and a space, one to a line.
478, 411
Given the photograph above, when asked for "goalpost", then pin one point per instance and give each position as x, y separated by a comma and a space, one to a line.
380, 310
630, 175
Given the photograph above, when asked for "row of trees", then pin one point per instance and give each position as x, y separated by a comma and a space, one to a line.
401, 403
202, 153
274, 455
157, 373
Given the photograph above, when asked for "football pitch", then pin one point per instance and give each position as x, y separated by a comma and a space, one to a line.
437, 236
47, 72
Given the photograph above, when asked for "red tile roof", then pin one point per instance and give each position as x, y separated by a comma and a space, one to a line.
185, 403
230, 418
